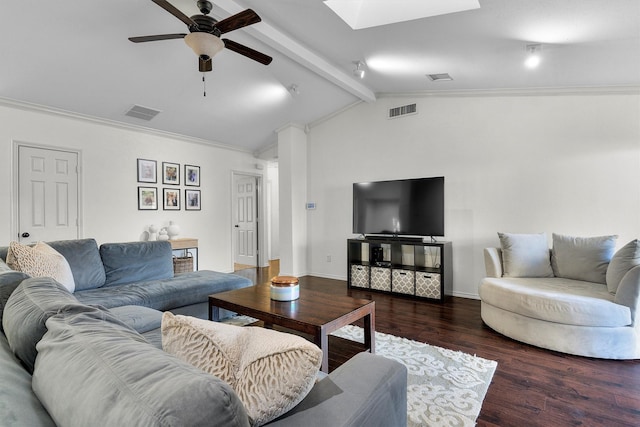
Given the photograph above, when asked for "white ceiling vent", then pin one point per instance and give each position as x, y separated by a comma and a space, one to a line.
143, 113
441, 77
403, 111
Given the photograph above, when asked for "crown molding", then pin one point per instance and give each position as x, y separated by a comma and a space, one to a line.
27, 106
541, 91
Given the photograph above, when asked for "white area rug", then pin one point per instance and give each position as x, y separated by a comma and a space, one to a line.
444, 387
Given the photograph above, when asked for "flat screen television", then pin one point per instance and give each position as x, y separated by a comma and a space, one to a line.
407, 207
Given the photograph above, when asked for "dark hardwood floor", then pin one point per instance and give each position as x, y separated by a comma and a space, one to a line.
531, 386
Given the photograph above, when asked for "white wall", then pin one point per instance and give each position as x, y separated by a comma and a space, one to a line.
273, 210
109, 187
564, 163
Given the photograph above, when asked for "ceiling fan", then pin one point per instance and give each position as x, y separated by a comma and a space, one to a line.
205, 31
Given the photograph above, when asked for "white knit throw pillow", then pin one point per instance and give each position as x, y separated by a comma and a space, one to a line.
41, 260
270, 371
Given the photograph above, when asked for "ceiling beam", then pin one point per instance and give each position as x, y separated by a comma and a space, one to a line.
284, 44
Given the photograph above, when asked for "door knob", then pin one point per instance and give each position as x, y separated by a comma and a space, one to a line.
25, 235
237, 226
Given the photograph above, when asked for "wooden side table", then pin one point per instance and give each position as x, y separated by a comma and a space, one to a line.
184, 245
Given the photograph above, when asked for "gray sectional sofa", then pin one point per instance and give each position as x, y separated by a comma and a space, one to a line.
95, 357
139, 273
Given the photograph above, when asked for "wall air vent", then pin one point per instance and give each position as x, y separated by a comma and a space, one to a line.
143, 113
403, 111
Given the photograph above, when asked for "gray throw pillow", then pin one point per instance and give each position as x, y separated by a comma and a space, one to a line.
582, 258
624, 260
525, 255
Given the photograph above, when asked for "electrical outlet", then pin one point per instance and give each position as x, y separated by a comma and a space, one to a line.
328, 258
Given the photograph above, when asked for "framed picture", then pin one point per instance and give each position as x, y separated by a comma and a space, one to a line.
171, 199
192, 175
147, 171
170, 173
147, 198
192, 200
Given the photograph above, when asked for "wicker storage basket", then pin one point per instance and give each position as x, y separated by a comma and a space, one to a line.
183, 264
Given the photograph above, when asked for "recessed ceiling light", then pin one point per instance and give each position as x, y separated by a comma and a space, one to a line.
441, 77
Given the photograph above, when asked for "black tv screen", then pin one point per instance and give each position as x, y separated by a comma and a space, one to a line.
409, 207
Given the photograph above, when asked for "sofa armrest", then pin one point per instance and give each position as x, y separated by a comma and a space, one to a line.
368, 390
493, 262
628, 292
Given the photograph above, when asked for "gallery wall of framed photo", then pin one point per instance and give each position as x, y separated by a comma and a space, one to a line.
170, 195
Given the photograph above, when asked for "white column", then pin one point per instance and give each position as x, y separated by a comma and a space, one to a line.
292, 164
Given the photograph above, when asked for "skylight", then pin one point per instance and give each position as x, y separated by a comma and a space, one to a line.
360, 14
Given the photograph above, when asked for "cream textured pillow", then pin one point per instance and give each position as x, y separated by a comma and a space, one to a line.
270, 371
41, 260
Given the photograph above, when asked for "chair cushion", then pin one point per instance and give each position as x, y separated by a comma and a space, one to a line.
270, 371
136, 262
623, 260
554, 299
525, 255
40, 260
94, 370
582, 258
29, 306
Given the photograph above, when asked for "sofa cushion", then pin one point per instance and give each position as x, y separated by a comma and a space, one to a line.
525, 255
27, 309
118, 379
555, 299
582, 258
142, 319
84, 259
136, 262
270, 371
40, 260
9, 281
18, 405
181, 290
623, 260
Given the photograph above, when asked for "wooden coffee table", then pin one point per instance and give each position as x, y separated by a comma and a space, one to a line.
314, 313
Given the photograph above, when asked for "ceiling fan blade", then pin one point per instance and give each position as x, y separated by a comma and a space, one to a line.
175, 12
239, 20
205, 65
142, 39
247, 51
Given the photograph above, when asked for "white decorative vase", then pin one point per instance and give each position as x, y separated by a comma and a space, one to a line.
153, 232
173, 230
163, 234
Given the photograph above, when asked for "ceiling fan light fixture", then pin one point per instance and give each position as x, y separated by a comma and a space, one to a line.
204, 44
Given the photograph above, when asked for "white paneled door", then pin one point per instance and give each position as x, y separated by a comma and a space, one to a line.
47, 194
245, 220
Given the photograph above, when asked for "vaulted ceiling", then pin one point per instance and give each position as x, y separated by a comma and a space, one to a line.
75, 56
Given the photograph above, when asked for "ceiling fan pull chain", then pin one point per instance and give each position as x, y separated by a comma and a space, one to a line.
204, 85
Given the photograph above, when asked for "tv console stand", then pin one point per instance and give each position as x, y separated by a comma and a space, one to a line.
400, 265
